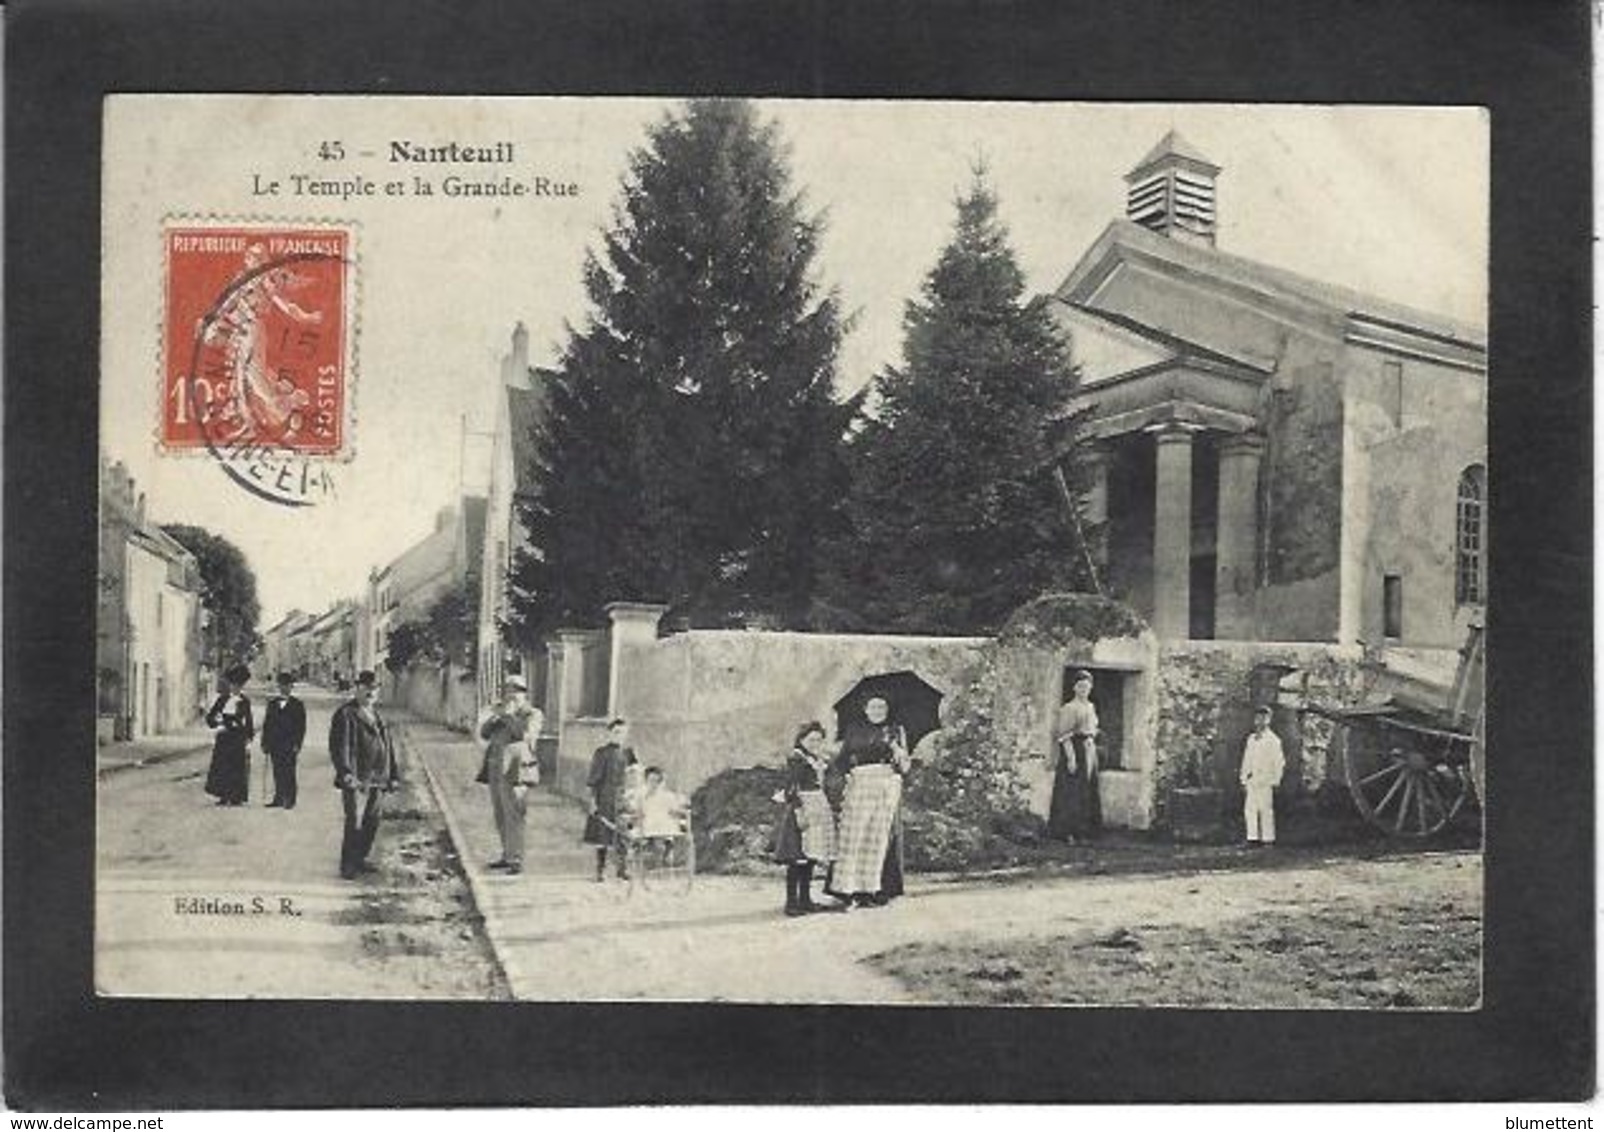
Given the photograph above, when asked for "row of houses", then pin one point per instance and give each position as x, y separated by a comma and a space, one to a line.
330, 647
151, 676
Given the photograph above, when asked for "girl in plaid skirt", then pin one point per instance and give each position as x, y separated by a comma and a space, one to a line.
876, 755
807, 835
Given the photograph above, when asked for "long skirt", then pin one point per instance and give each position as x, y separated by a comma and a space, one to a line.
806, 831
1076, 809
228, 778
868, 817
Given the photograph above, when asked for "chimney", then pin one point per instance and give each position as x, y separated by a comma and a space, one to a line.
515, 363
520, 349
1171, 191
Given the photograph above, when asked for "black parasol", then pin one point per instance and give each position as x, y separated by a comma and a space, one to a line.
914, 704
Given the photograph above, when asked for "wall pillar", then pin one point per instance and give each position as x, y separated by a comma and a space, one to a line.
634, 625
1172, 534
552, 695
572, 644
1237, 538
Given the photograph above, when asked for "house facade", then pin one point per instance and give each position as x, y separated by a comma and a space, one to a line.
279, 653
447, 560
150, 674
520, 405
1274, 458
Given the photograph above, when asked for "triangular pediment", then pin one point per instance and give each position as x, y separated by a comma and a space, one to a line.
1101, 349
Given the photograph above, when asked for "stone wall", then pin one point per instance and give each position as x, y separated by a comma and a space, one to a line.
1205, 694
446, 694
1300, 599
1408, 447
707, 700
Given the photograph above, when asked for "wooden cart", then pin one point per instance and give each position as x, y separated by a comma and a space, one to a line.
1413, 751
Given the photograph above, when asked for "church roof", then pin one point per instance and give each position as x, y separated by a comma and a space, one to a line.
1199, 260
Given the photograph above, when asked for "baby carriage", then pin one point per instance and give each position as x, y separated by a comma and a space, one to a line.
656, 853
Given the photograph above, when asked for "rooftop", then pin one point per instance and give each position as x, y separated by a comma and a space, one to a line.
1262, 277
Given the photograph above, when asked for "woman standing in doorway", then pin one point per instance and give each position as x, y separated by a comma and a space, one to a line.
1077, 811
228, 778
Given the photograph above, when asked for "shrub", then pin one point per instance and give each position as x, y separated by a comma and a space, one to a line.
734, 815
1067, 619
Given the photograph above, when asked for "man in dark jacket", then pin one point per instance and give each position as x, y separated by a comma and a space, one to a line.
364, 769
283, 731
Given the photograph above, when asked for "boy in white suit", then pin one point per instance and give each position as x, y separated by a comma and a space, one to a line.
1263, 763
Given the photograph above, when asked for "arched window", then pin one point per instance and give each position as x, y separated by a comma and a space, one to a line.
1470, 538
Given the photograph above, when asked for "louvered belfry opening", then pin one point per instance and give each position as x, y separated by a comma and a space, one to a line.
1172, 190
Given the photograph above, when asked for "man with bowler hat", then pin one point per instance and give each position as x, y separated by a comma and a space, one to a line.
364, 769
283, 731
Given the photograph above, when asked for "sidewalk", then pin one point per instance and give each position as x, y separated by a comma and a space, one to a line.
561, 936
152, 749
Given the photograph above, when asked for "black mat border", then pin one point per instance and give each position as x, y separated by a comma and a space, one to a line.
1528, 61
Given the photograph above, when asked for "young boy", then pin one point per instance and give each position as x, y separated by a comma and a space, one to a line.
1263, 763
661, 814
608, 783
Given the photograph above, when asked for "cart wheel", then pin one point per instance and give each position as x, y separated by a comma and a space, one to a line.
1401, 784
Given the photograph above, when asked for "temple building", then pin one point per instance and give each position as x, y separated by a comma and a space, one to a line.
1274, 457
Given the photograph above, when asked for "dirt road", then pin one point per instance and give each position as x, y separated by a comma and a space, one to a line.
198, 900
564, 937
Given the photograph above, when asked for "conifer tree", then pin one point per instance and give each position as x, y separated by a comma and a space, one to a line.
693, 448
958, 513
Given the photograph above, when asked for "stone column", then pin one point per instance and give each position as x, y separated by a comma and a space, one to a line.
634, 626
1172, 534
1237, 537
573, 643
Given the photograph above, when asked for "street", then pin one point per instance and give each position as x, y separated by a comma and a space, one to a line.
195, 899
1295, 928
199, 900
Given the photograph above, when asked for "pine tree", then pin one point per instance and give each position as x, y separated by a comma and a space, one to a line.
693, 448
958, 513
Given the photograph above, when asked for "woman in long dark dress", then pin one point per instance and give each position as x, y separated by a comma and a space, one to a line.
1076, 810
868, 866
228, 778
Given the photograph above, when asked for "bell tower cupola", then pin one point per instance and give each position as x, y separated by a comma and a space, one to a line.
1171, 191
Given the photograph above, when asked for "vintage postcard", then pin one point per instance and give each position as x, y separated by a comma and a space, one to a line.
792, 551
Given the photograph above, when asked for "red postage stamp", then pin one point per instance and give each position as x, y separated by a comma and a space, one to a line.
257, 341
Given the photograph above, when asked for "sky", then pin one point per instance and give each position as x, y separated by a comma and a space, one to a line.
1389, 200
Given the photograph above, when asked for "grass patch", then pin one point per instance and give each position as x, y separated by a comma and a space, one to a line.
1413, 953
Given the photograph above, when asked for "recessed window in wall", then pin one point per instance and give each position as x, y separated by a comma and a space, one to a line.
1392, 390
1392, 606
1470, 534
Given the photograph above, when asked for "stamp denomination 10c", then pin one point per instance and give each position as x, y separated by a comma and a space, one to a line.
256, 361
